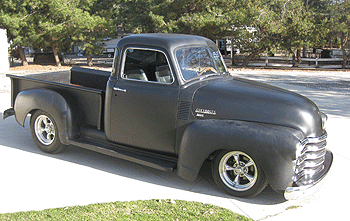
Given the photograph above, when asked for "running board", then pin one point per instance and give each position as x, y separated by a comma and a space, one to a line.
145, 159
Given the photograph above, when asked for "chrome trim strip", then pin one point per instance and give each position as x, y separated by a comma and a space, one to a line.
311, 156
119, 89
314, 139
314, 147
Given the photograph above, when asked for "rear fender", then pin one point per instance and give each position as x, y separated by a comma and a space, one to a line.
273, 147
51, 102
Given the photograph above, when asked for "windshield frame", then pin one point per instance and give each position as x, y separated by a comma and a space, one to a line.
210, 50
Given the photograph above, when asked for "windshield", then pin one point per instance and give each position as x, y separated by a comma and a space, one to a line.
200, 61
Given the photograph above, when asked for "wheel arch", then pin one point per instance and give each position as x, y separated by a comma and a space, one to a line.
29, 101
273, 147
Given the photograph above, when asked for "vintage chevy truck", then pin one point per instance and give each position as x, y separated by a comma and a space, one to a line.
171, 104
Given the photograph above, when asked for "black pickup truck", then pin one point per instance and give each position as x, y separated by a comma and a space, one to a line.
171, 104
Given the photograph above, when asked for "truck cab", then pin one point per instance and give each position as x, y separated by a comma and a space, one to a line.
150, 81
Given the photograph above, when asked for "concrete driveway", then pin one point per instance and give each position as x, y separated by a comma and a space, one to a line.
33, 180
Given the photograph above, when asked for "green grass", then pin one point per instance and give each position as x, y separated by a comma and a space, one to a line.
292, 207
134, 210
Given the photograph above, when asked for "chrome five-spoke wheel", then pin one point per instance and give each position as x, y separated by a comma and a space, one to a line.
45, 132
238, 171
44, 129
238, 174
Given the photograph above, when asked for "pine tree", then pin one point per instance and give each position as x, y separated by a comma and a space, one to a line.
339, 26
16, 17
53, 25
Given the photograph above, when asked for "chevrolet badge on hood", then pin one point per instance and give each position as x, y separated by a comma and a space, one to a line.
200, 112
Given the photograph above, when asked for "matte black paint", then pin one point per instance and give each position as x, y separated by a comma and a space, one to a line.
144, 116
87, 102
89, 77
51, 102
153, 121
273, 147
239, 99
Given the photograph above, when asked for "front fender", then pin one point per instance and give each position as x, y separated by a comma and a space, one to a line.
273, 147
51, 102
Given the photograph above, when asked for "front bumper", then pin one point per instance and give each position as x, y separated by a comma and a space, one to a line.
296, 192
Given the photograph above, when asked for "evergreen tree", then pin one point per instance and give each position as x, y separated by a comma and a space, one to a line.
142, 16
53, 25
264, 26
63, 21
205, 18
17, 17
254, 27
297, 24
339, 26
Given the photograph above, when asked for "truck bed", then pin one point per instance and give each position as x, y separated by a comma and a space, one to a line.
85, 86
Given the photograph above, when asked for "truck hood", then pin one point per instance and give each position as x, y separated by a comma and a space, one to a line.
245, 100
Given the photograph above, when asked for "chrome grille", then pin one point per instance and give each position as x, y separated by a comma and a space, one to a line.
310, 160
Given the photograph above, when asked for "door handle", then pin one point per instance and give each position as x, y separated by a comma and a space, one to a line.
119, 89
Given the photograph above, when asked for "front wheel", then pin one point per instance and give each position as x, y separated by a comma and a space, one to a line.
238, 174
45, 133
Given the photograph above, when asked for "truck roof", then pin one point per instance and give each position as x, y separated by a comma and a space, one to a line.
162, 40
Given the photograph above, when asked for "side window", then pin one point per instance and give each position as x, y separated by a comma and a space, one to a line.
146, 65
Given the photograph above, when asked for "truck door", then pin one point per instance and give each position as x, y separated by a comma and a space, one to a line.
144, 102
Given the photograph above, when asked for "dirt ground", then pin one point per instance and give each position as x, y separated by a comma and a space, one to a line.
35, 67
32, 68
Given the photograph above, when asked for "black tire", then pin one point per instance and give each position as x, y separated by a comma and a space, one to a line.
238, 174
45, 133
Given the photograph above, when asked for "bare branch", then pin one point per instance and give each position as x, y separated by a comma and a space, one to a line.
28, 15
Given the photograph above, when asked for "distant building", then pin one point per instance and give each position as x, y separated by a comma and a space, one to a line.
4, 60
109, 45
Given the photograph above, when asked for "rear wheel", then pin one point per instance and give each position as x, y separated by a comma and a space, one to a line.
45, 133
238, 174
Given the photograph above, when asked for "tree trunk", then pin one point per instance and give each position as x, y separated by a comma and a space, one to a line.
89, 59
248, 59
22, 56
296, 59
345, 59
232, 55
345, 40
55, 54
293, 59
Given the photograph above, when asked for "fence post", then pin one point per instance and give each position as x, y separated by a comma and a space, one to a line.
317, 63
231, 56
266, 61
